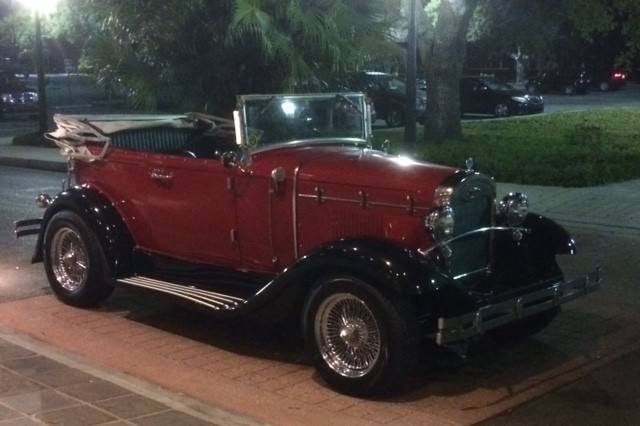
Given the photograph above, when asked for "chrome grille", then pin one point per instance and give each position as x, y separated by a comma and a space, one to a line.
472, 204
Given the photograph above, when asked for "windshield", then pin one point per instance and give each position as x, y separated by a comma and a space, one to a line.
274, 119
497, 85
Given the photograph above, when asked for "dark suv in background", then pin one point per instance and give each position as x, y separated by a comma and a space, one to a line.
389, 95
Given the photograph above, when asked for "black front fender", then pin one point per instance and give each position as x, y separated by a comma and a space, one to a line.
101, 217
397, 273
549, 236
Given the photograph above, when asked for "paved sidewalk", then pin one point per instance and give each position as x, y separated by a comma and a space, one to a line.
31, 157
37, 389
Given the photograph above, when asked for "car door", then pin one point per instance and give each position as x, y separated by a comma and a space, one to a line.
191, 209
470, 96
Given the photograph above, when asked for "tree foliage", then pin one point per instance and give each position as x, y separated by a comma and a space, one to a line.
200, 54
550, 30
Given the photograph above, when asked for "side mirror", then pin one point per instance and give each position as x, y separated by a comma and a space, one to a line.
229, 158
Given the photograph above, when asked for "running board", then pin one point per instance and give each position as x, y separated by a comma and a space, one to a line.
209, 299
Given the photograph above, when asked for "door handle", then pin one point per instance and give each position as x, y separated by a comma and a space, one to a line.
159, 174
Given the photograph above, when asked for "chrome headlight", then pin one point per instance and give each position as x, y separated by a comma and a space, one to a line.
514, 208
441, 223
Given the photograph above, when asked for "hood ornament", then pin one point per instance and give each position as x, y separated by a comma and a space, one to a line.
468, 164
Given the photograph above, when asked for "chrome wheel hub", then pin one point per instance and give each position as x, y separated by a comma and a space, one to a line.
347, 335
69, 259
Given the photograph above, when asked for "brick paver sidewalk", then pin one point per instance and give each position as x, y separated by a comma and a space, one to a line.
230, 367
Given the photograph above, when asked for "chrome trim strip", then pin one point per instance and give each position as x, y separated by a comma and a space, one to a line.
182, 296
311, 142
195, 290
213, 300
467, 274
324, 198
359, 201
294, 208
425, 252
491, 316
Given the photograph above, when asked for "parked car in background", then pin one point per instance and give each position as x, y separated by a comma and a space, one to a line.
608, 79
330, 85
486, 95
287, 214
15, 97
566, 81
389, 96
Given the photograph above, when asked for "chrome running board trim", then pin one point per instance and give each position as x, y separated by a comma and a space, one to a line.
209, 299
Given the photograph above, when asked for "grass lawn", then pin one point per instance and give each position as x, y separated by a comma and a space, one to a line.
562, 149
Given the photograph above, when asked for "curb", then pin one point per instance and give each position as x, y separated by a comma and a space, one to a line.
30, 163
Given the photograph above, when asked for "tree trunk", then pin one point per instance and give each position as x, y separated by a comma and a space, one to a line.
444, 63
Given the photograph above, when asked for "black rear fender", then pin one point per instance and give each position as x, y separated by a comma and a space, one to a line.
102, 218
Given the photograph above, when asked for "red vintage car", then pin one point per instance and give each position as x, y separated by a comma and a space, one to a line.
286, 213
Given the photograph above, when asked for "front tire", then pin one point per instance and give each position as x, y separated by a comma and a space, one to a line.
359, 340
395, 117
604, 86
75, 262
501, 110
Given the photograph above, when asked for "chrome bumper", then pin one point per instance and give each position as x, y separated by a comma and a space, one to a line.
491, 316
23, 228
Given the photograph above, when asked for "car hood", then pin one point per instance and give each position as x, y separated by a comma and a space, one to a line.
366, 168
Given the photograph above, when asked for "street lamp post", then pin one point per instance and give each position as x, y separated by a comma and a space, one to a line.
410, 129
43, 120
40, 8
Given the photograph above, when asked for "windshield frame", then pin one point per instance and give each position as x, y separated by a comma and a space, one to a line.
242, 129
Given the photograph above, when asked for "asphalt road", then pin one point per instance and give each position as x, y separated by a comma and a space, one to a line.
628, 96
18, 189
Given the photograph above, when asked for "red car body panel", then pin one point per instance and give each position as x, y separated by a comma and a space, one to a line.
234, 217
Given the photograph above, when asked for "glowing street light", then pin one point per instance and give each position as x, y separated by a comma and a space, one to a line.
44, 7
40, 7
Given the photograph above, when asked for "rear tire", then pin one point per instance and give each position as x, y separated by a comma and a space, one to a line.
568, 90
604, 86
360, 343
74, 261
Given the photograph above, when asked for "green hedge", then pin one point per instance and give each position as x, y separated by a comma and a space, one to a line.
562, 149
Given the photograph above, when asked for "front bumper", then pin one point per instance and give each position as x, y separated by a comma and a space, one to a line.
495, 315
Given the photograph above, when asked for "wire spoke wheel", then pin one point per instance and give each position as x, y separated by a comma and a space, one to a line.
69, 259
347, 335
502, 110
